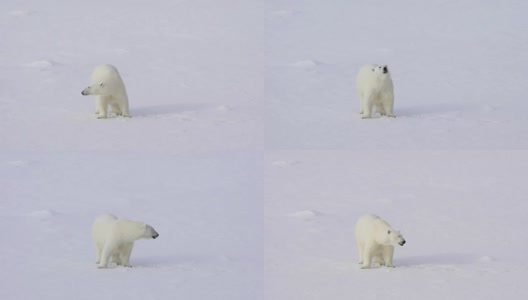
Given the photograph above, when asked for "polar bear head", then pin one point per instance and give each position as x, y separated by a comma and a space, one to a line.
150, 233
381, 70
390, 237
94, 89
129, 231
394, 238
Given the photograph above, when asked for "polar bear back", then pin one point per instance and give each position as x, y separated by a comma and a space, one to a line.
367, 225
374, 230
108, 227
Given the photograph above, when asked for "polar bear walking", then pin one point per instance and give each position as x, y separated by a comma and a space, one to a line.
376, 239
375, 87
114, 238
109, 89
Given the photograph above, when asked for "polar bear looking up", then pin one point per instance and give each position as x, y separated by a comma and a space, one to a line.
375, 88
376, 239
114, 238
109, 90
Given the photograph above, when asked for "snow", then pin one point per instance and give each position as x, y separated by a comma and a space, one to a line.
457, 68
461, 213
245, 150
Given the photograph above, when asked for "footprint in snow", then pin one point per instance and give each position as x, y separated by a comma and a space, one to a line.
21, 13
486, 258
41, 64
19, 163
223, 108
305, 214
306, 64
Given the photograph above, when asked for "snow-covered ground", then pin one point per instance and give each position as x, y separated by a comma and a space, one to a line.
247, 154
459, 71
187, 162
461, 213
204, 208
192, 71
443, 171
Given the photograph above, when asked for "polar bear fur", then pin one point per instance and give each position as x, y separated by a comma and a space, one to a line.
109, 89
114, 238
376, 239
375, 88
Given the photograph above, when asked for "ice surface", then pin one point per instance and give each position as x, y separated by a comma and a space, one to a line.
247, 154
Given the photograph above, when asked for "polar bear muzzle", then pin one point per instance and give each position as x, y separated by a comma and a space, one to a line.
154, 233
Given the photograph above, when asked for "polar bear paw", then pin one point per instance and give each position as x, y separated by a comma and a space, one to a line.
365, 267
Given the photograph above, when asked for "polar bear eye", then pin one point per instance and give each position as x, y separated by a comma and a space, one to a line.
388, 232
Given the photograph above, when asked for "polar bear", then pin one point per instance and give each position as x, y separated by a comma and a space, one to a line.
109, 89
115, 238
375, 87
376, 239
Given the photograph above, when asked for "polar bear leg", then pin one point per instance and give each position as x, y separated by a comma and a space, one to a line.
388, 105
124, 110
126, 251
116, 258
360, 251
100, 107
108, 250
380, 109
379, 259
367, 255
388, 252
97, 254
360, 103
367, 107
116, 109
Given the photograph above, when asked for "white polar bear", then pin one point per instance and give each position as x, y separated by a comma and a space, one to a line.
375, 87
376, 239
115, 238
109, 89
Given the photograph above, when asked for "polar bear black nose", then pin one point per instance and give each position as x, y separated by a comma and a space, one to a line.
155, 236
402, 243
385, 70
